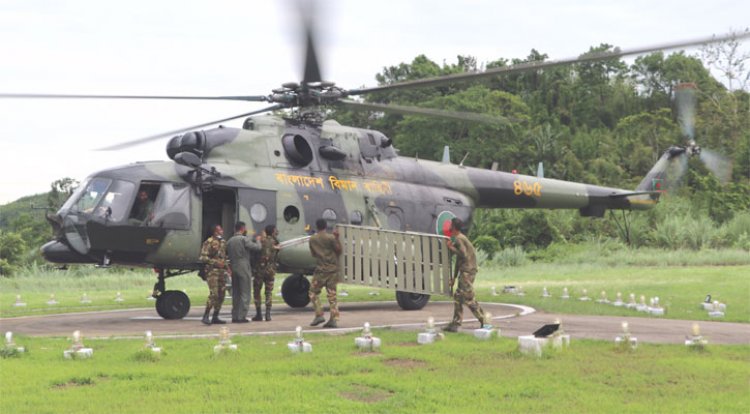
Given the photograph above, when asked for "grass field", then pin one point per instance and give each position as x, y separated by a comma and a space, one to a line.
459, 374
680, 288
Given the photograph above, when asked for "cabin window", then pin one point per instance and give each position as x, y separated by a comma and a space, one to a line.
291, 214
258, 212
356, 217
329, 216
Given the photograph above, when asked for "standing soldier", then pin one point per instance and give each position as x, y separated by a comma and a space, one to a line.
266, 270
239, 249
214, 254
466, 267
326, 248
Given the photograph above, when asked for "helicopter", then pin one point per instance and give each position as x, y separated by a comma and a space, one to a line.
289, 166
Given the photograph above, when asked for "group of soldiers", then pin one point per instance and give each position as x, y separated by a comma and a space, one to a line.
248, 258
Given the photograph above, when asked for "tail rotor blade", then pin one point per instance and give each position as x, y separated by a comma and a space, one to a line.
717, 164
685, 102
676, 172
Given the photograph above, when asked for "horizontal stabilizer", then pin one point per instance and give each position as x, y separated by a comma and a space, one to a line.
634, 193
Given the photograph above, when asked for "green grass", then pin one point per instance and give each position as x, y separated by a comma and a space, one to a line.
459, 374
680, 289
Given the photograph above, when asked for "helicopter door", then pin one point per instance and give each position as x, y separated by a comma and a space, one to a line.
219, 207
257, 207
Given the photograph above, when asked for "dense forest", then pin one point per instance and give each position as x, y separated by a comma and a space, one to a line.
601, 123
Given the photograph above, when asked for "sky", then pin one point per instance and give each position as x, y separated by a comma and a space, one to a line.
235, 47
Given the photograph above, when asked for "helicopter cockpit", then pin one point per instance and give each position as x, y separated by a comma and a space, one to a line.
106, 211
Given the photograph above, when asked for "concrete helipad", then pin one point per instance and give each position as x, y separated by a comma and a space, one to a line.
513, 320
285, 319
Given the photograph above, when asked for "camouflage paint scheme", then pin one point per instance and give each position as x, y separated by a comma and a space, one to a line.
362, 180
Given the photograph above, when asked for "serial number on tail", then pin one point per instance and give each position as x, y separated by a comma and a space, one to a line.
528, 189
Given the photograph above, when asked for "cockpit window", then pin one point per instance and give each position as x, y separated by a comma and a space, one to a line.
84, 201
114, 204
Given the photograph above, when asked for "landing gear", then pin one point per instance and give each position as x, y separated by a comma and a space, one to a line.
411, 301
295, 290
170, 304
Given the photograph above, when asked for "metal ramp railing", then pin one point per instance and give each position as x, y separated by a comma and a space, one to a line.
403, 261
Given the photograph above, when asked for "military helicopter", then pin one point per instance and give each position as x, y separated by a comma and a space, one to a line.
289, 166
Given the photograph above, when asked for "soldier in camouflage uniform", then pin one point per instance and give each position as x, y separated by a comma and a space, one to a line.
326, 248
214, 255
466, 268
266, 270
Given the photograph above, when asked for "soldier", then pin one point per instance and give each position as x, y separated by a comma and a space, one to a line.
214, 254
466, 268
326, 248
143, 210
239, 249
266, 270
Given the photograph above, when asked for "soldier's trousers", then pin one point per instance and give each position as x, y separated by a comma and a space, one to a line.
240, 295
216, 287
263, 278
464, 295
329, 281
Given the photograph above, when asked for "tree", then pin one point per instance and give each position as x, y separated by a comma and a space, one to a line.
60, 190
12, 248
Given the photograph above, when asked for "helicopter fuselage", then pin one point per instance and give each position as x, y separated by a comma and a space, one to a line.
288, 173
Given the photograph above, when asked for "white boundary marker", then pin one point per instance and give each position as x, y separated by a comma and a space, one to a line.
523, 311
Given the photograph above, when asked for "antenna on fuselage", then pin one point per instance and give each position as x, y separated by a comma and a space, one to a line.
540, 170
446, 155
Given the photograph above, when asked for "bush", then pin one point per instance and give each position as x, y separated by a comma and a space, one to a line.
488, 244
510, 257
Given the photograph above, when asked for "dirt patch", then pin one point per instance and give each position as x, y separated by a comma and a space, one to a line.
73, 382
366, 394
405, 363
366, 354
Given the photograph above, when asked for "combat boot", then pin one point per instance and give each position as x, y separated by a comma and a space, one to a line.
317, 321
268, 313
331, 324
451, 327
206, 320
258, 316
216, 319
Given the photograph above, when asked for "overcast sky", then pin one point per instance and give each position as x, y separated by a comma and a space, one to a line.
238, 47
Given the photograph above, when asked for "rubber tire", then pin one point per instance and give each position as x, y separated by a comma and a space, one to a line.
411, 301
173, 304
295, 291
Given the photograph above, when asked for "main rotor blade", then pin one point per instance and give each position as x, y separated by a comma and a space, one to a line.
140, 141
435, 113
251, 98
533, 66
312, 68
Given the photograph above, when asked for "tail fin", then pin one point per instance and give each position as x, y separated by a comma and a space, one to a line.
667, 171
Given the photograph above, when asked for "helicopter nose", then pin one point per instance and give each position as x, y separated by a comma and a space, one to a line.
56, 251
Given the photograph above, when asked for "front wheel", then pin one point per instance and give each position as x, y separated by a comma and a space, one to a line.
172, 304
295, 290
411, 301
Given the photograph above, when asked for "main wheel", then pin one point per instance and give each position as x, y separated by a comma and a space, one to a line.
411, 301
295, 291
172, 304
